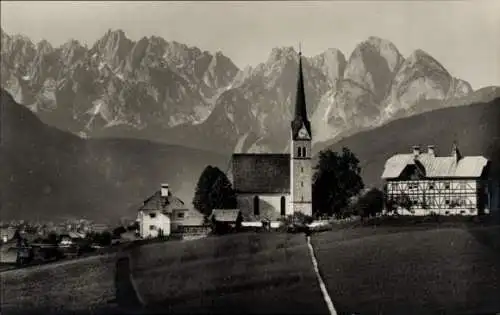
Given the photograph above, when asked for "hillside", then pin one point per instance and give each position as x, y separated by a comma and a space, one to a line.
475, 127
169, 92
47, 173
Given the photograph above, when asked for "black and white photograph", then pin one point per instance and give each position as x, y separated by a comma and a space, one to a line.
250, 157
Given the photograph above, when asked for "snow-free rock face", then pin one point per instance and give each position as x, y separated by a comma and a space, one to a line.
372, 66
170, 92
332, 63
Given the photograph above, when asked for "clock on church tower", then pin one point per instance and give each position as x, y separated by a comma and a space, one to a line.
303, 134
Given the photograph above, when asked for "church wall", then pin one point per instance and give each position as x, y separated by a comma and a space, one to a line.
269, 206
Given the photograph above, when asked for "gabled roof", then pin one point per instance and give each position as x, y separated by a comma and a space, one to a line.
261, 173
436, 166
156, 202
225, 215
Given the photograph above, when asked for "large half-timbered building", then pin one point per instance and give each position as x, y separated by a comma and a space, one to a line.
445, 185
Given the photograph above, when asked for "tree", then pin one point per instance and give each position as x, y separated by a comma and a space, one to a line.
336, 179
213, 191
370, 203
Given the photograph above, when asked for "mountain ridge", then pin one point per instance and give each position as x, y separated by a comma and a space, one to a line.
169, 92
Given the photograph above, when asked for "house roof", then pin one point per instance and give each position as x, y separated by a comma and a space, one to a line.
156, 202
225, 215
261, 173
436, 166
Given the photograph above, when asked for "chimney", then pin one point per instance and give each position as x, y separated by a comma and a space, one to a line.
165, 192
416, 150
455, 152
431, 150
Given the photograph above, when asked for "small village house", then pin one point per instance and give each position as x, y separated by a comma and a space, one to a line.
157, 213
445, 185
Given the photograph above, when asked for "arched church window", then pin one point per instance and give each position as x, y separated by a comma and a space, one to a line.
283, 204
303, 151
299, 151
256, 210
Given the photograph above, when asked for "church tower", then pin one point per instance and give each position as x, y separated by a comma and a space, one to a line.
300, 155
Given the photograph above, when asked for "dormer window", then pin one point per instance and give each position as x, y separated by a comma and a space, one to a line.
152, 215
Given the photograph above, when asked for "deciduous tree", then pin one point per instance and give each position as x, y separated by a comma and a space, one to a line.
213, 191
336, 179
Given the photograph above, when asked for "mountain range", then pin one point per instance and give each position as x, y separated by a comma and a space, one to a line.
169, 92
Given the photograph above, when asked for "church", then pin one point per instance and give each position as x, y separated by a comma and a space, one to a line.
269, 186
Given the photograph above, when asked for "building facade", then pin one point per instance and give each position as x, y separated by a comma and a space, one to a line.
421, 183
269, 186
159, 213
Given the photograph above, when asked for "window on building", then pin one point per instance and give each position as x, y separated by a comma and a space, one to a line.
256, 210
283, 205
447, 201
301, 169
431, 186
304, 152
447, 186
152, 227
301, 184
152, 215
299, 152
180, 215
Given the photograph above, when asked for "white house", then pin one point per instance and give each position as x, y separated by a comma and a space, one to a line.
158, 212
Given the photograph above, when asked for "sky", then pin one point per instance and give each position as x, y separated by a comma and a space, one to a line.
462, 35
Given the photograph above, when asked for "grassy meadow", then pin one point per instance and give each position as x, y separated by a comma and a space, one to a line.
380, 270
68, 287
250, 272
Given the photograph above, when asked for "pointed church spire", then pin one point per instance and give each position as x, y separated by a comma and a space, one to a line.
300, 117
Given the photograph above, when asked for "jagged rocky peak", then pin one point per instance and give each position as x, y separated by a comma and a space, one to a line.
372, 65
279, 54
113, 47
332, 62
44, 47
181, 54
220, 71
422, 59
421, 77
71, 51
